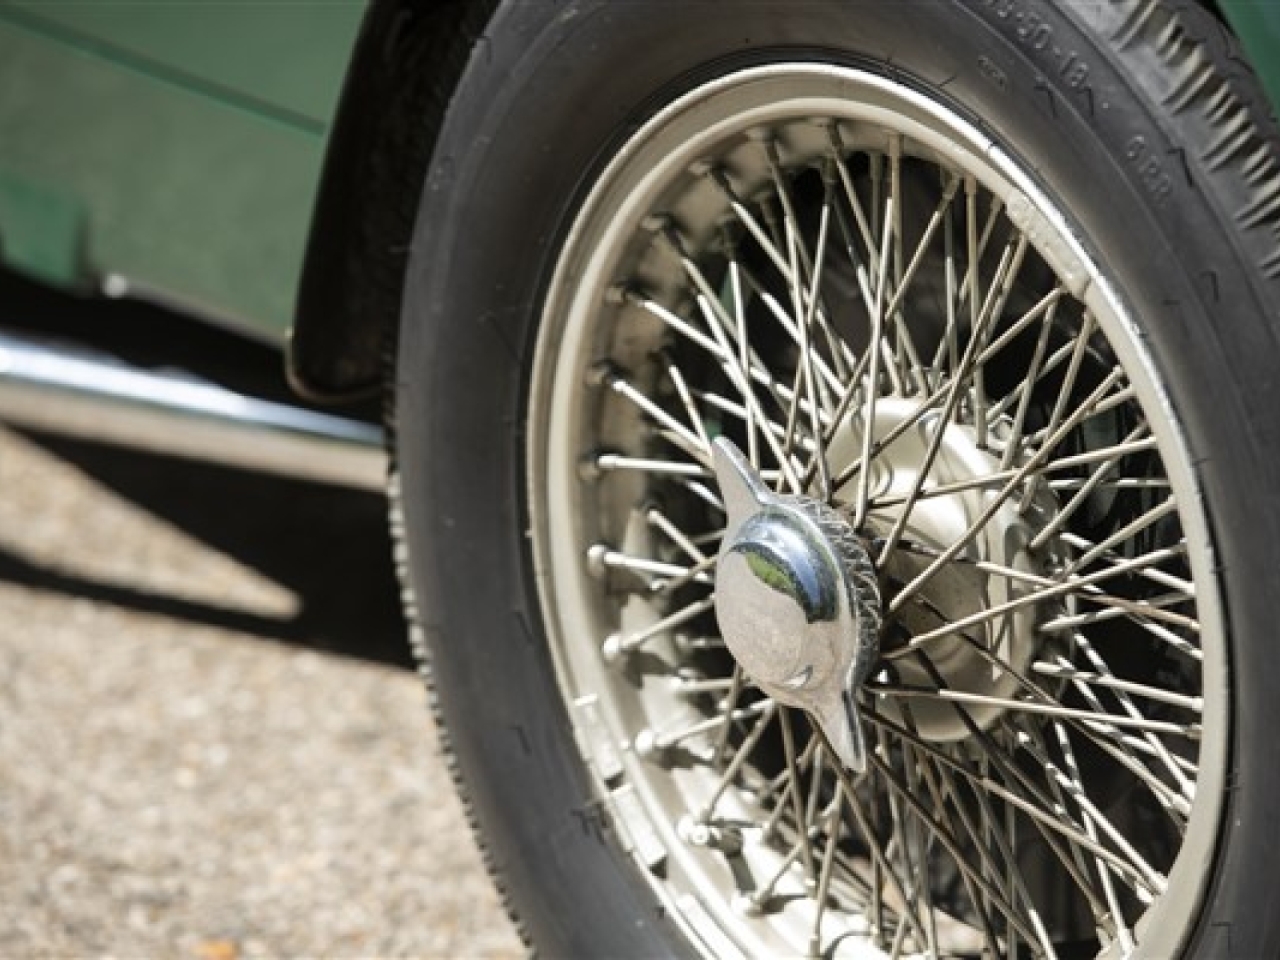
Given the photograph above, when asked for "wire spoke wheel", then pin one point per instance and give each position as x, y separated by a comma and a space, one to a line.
887, 316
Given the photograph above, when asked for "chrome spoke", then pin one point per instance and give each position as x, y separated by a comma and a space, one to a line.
995, 502
1058, 589
1031, 706
999, 477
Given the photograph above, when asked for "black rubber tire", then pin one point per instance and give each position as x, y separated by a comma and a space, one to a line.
1136, 116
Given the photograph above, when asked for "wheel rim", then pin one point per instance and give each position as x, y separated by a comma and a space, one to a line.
1046, 725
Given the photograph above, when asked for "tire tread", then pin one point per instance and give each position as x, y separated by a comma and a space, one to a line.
1213, 99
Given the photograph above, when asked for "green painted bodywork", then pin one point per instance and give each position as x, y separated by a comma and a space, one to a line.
176, 143
1257, 24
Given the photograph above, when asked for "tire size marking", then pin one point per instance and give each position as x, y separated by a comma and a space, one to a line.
1074, 70
1033, 32
993, 73
1149, 168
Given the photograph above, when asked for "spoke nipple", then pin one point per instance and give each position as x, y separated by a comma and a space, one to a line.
700, 168
634, 294
598, 560
662, 223
696, 833
612, 649
857, 924
618, 294
760, 134
686, 685
589, 468
603, 373
647, 745
721, 176
834, 140
747, 905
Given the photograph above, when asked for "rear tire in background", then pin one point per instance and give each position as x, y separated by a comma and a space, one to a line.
650, 224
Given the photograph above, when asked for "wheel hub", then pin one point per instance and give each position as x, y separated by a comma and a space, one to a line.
966, 587
798, 597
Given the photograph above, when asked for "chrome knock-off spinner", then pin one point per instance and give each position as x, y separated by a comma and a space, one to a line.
797, 601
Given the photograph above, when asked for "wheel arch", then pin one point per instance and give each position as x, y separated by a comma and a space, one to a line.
404, 67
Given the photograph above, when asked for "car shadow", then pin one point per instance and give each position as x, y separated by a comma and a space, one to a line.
328, 546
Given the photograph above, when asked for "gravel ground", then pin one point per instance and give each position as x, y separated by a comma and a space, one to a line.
210, 744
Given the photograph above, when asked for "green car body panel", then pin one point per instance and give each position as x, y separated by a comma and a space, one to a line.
179, 143
1257, 24
175, 144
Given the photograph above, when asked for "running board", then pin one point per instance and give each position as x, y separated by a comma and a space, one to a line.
100, 399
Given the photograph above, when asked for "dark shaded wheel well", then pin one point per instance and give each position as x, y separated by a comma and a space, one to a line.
405, 65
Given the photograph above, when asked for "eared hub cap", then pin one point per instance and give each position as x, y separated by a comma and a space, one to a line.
797, 601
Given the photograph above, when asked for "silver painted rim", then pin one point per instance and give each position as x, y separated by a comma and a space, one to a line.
1048, 723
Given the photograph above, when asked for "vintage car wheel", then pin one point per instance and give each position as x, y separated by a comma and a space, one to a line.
957, 321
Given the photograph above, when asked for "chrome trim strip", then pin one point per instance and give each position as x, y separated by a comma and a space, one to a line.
98, 398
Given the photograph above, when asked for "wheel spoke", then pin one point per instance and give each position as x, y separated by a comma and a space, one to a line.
998, 500
1058, 589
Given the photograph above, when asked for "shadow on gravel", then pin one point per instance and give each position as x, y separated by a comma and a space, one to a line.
329, 546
